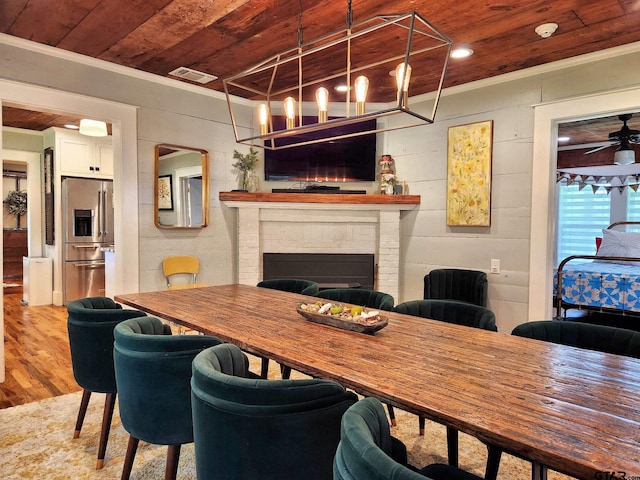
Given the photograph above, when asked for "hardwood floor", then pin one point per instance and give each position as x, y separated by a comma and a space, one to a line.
37, 359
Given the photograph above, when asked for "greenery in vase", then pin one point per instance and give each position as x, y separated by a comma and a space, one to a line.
245, 163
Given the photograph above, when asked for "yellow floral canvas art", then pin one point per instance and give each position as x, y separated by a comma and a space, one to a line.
469, 174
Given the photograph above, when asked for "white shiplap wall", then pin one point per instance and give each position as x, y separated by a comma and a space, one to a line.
185, 117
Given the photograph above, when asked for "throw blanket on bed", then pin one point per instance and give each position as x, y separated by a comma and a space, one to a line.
599, 284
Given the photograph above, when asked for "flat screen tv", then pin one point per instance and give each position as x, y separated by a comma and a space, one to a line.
350, 159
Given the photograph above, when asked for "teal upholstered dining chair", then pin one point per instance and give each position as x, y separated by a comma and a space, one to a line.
460, 313
294, 285
456, 284
366, 450
252, 428
153, 371
601, 338
359, 296
90, 325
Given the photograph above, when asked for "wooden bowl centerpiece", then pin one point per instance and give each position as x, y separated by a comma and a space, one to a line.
347, 317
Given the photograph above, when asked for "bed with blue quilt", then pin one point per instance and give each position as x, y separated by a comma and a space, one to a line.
608, 281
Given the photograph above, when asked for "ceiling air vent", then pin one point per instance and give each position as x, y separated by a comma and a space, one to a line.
193, 75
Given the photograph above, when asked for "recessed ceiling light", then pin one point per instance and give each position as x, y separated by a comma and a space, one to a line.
71, 127
341, 88
564, 139
461, 52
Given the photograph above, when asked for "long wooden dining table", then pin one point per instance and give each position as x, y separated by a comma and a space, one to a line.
572, 410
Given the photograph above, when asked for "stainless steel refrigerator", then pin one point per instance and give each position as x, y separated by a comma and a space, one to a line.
87, 219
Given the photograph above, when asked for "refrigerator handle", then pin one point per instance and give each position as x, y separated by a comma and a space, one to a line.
105, 195
103, 208
100, 219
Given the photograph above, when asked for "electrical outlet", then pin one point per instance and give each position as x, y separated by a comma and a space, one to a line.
495, 265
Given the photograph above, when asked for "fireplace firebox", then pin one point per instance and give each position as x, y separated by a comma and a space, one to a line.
329, 270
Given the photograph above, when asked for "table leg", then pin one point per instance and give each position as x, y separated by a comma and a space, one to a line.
538, 471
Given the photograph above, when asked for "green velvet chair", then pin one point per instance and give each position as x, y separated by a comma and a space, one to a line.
90, 325
456, 284
601, 338
359, 296
252, 428
294, 285
153, 371
457, 312
365, 451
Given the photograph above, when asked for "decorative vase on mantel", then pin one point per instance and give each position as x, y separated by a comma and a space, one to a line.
249, 182
245, 163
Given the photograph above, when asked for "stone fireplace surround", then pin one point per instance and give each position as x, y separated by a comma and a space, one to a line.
319, 223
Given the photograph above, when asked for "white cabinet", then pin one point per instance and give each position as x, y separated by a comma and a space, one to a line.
79, 155
37, 278
104, 157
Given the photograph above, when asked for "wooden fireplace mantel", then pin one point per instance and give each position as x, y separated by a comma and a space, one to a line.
336, 200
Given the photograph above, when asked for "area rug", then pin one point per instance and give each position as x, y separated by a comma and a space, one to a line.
36, 443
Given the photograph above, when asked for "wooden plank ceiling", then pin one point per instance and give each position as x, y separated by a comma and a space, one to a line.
224, 37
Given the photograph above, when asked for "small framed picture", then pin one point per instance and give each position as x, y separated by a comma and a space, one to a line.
165, 193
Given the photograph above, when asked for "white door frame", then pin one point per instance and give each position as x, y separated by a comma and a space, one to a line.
543, 184
125, 145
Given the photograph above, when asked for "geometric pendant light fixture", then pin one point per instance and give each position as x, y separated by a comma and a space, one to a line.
361, 73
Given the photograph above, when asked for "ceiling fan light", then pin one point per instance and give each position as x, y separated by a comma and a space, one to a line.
93, 128
624, 157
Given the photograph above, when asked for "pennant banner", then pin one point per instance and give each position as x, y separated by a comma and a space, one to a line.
597, 182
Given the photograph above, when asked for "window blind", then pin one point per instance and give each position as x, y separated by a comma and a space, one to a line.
582, 214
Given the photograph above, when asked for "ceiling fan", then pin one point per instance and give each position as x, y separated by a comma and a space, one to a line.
623, 137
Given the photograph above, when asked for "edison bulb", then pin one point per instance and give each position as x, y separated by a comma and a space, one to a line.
263, 117
290, 111
402, 82
322, 99
361, 85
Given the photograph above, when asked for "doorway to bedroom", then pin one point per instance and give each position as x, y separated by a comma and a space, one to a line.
595, 185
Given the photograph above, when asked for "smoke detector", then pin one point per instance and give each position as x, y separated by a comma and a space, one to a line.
546, 29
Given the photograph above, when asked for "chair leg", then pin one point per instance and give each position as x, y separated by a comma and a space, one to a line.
392, 415
84, 403
107, 415
452, 446
171, 467
132, 447
421, 426
264, 369
493, 462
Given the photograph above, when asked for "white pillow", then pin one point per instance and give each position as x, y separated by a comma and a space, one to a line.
619, 244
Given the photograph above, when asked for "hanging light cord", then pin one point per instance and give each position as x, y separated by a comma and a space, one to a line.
300, 63
349, 15
300, 26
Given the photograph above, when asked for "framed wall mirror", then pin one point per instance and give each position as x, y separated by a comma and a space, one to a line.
181, 189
